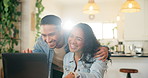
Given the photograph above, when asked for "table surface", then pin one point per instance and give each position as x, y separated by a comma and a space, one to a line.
130, 55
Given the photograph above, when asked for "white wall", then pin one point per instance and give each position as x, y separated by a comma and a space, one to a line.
146, 19
108, 13
134, 24
51, 7
27, 36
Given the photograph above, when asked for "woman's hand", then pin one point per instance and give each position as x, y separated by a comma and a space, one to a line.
70, 75
103, 53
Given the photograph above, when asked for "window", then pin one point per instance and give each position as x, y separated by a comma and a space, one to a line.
104, 30
101, 30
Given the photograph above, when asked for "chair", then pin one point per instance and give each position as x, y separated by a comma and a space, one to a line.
128, 71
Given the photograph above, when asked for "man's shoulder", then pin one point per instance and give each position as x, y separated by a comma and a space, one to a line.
40, 41
41, 45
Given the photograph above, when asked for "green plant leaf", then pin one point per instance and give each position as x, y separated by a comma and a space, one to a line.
40, 9
8, 18
18, 13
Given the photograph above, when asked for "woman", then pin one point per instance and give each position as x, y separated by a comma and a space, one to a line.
80, 61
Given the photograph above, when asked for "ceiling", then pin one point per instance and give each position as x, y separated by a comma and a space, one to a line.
82, 2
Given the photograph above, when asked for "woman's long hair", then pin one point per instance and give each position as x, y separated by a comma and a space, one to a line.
90, 42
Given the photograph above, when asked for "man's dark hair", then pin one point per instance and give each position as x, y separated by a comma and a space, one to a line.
51, 19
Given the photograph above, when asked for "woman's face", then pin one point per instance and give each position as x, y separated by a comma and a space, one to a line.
76, 40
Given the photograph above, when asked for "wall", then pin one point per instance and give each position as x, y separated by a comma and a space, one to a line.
146, 18
51, 7
107, 13
135, 23
27, 36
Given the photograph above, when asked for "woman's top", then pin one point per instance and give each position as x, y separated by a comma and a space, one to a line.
93, 69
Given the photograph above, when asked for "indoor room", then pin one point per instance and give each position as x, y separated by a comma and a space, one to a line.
122, 30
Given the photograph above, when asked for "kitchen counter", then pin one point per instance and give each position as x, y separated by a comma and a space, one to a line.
127, 61
130, 55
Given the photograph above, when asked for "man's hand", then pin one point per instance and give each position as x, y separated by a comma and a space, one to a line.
70, 75
103, 53
27, 51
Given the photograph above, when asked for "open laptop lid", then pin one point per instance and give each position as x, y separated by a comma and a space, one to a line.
25, 65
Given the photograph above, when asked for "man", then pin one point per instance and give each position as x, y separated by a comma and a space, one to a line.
53, 42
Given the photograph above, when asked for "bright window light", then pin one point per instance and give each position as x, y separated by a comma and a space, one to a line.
118, 18
68, 25
97, 29
104, 30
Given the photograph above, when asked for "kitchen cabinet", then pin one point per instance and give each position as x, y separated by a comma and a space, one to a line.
136, 25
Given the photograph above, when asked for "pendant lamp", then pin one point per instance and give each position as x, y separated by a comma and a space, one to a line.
91, 8
130, 6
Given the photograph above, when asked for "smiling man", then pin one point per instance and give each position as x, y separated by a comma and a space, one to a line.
53, 42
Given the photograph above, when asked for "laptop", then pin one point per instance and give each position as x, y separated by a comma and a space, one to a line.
25, 65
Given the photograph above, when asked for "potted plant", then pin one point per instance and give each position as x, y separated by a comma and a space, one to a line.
10, 15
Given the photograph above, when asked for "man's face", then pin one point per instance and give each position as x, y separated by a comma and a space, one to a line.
50, 35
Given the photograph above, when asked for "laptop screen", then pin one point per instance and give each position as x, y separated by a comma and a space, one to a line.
25, 65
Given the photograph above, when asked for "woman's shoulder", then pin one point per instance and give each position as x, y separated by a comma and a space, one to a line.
69, 54
68, 57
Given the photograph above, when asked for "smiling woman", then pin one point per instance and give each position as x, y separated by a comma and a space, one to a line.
80, 61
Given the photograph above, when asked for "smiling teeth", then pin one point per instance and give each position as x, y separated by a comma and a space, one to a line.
52, 43
73, 46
